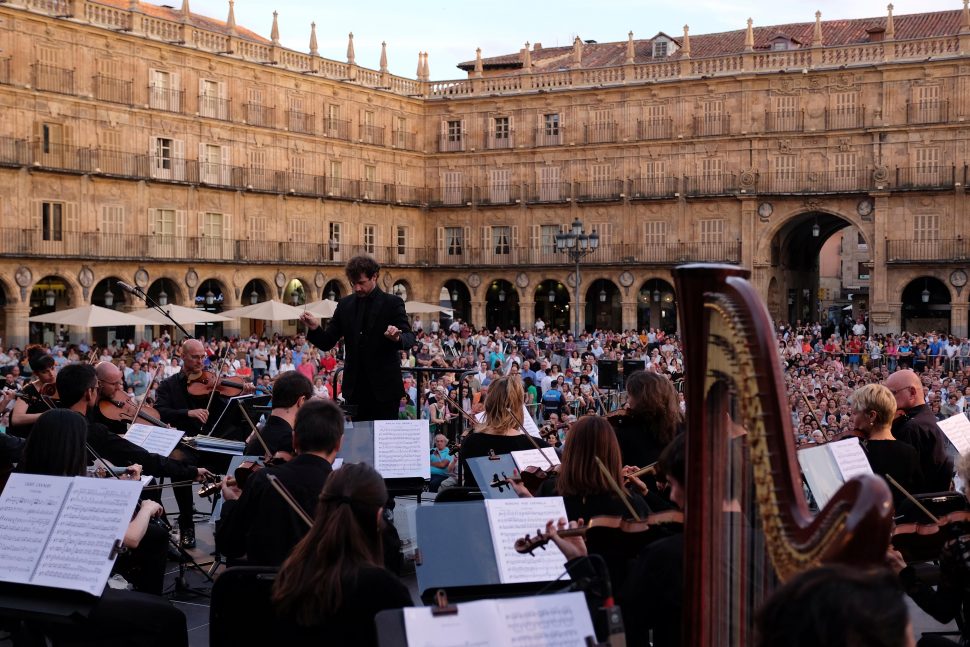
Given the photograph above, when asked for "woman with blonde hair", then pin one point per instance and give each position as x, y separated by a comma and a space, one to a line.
501, 429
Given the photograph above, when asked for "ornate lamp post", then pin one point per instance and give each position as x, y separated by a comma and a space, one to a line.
577, 244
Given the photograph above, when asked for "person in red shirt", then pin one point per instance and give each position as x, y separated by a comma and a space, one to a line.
329, 361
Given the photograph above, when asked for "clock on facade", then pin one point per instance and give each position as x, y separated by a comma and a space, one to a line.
864, 207
958, 278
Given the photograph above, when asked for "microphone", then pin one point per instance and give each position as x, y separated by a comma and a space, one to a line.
129, 288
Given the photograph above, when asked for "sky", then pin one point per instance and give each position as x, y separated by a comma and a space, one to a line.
450, 30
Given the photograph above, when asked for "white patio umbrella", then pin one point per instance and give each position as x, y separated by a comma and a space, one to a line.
181, 314
419, 307
267, 311
323, 309
90, 317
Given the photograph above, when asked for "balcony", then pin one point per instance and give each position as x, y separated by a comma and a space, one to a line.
112, 90
404, 140
14, 152
167, 99
458, 196
712, 125
498, 195
215, 107
602, 133
52, 79
655, 128
372, 135
549, 136
934, 111
405, 195
258, 115
5, 71
785, 121
453, 143
300, 122
928, 177
499, 140
548, 192
844, 118
372, 191
653, 188
814, 182
337, 187
599, 191
639, 253
336, 128
714, 184
949, 250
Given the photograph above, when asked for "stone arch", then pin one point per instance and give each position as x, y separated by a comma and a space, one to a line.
901, 281
773, 299
501, 297
926, 305
176, 292
657, 303
263, 289
461, 305
65, 293
768, 233
109, 285
604, 305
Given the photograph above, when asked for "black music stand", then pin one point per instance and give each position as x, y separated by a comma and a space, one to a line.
358, 447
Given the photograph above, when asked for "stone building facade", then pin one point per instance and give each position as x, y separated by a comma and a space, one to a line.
210, 165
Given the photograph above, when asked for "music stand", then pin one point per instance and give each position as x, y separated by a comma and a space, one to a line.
358, 447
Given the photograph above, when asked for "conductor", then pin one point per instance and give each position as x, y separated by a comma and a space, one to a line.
374, 327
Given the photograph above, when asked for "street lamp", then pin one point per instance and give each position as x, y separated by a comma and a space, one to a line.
552, 296
501, 295
163, 298
454, 297
254, 297
577, 244
210, 298
50, 298
332, 295
656, 294
602, 295
295, 298
109, 298
816, 230
925, 294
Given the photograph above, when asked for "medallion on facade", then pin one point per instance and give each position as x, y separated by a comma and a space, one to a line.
522, 279
191, 278
474, 280
141, 278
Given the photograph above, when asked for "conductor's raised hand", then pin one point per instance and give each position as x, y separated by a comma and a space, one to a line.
393, 333
311, 322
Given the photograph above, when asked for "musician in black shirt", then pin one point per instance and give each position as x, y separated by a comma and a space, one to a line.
291, 390
650, 419
917, 426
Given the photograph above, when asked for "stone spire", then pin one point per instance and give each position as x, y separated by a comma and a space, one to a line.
685, 47
132, 5
231, 18
817, 34
631, 51
420, 72
577, 52
185, 11
427, 68
965, 18
383, 69
890, 27
527, 58
314, 50
274, 34
749, 36
479, 66
351, 59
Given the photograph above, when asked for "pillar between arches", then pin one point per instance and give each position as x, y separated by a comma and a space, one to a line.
527, 313
629, 315
18, 328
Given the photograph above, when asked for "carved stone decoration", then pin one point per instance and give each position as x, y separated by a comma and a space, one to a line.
748, 178
784, 145
571, 280
843, 81
626, 279
141, 278
319, 280
765, 209
865, 209
238, 280
786, 85
522, 280
474, 280
23, 276
880, 174
191, 278
816, 83
813, 204
386, 281
85, 277
845, 144
279, 279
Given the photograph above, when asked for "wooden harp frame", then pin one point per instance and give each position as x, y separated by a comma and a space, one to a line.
729, 339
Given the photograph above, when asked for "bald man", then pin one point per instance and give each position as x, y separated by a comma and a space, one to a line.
917, 427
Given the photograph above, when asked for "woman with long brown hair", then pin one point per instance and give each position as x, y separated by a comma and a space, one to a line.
650, 420
501, 429
333, 583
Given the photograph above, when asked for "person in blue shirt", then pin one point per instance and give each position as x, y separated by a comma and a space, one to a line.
440, 460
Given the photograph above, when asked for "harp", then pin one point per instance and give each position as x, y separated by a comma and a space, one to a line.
748, 525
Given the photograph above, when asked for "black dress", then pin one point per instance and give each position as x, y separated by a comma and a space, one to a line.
899, 460
478, 444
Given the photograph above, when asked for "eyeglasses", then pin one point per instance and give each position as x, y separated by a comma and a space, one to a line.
198, 357
902, 389
108, 383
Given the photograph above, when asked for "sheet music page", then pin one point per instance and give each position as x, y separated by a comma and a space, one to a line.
533, 458
157, 440
29, 507
560, 620
850, 458
956, 428
527, 422
401, 448
510, 519
821, 472
475, 625
78, 553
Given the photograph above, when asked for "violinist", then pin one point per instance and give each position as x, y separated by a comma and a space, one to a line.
650, 419
501, 430
290, 392
27, 410
951, 598
257, 522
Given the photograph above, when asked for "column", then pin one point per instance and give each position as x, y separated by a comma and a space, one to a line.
958, 318
18, 328
478, 314
630, 314
881, 319
229, 302
527, 313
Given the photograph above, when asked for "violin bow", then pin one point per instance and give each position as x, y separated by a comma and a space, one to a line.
912, 499
252, 426
134, 419
532, 440
811, 410
293, 503
454, 403
215, 385
616, 488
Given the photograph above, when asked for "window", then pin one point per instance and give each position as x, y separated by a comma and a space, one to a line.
928, 106
297, 230
655, 124
168, 239
213, 164
212, 225
550, 187
784, 175
785, 117
863, 271
845, 113
52, 137
712, 181
370, 238
654, 178
660, 48
454, 131
452, 135
211, 99
401, 236
163, 91
779, 45
656, 232
451, 187
52, 221
846, 171
370, 189
257, 228
551, 123
112, 220
601, 126
712, 231
455, 241
499, 186
929, 171
333, 238
334, 179
502, 240
926, 227
600, 175
547, 238
501, 132
712, 118
401, 134
215, 235
164, 223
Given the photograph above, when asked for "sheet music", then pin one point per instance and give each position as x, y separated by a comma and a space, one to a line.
527, 422
821, 473
95, 514
560, 620
29, 507
338, 463
401, 448
533, 458
510, 519
59, 531
157, 440
956, 428
850, 458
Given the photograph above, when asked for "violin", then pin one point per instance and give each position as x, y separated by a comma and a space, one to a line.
933, 528
126, 410
46, 390
205, 382
634, 529
242, 474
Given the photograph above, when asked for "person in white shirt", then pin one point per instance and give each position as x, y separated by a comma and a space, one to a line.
859, 329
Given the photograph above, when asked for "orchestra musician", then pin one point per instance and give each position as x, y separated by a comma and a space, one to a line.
374, 327
56, 447
291, 390
501, 431
650, 419
332, 585
27, 410
917, 426
257, 522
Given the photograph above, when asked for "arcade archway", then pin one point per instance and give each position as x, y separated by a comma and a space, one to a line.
604, 309
657, 306
552, 305
50, 294
501, 305
926, 306
455, 295
255, 291
209, 296
107, 294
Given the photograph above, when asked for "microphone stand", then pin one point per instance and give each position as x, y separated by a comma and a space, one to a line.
141, 294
